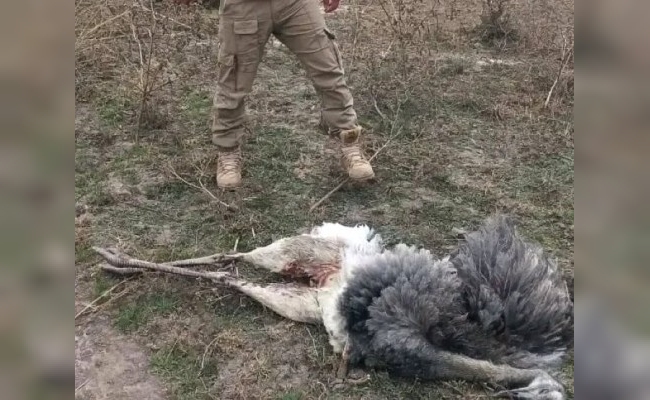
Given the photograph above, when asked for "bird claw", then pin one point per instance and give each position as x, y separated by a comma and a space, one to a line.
541, 388
342, 371
357, 377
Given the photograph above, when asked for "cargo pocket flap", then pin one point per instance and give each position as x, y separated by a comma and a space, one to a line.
330, 34
245, 27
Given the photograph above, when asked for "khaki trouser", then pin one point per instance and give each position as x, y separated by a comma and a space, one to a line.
245, 27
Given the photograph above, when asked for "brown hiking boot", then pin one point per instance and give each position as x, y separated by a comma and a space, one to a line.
229, 168
352, 158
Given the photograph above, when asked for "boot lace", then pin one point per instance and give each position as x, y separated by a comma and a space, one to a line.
353, 155
229, 161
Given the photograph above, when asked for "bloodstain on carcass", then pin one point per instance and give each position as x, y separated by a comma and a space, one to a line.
316, 275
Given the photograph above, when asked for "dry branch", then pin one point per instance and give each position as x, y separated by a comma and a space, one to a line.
84, 34
101, 296
566, 56
155, 13
205, 353
202, 188
346, 180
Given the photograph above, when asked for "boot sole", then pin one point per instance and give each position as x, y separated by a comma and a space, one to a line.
363, 178
229, 187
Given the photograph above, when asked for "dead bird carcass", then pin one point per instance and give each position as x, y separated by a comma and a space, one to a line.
495, 311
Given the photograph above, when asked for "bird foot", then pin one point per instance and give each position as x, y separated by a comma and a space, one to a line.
357, 377
354, 377
544, 387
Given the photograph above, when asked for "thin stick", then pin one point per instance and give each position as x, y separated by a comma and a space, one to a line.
205, 352
101, 296
327, 196
165, 17
89, 31
374, 103
313, 341
565, 61
81, 385
346, 180
342, 370
324, 392
454, 388
372, 94
202, 188
385, 144
137, 40
353, 57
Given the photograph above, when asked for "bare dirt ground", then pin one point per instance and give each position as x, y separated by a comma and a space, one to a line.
455, 102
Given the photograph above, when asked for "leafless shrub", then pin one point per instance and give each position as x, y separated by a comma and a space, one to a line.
123, 50
496, 26
406, 46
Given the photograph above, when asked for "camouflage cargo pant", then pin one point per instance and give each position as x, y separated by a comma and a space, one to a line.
244, 29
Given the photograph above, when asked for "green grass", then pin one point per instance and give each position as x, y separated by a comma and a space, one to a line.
182, 368
135, 315
114, 111
545, 181
291, 396
197, 105
83, 252
102, 283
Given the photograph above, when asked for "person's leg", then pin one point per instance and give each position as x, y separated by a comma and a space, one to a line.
244, 29
301, 27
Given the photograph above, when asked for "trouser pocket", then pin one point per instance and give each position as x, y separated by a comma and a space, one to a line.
335, 47
247, 44
239, 55
228, 82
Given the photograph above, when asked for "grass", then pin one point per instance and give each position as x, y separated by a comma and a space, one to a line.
114, 112
197, 105
474, 141
183, 369
291, 396
135, 315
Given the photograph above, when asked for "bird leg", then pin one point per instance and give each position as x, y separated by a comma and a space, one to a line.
304, 258
342, 371
123, 264
528, 384
129, 264
298, 304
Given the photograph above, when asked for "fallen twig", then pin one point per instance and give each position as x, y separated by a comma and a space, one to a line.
346, 180
84, 34
565, 60
327, 196
101, 296
81, 385
324, 392
202, 188
205, 353
165, 17
374, 103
